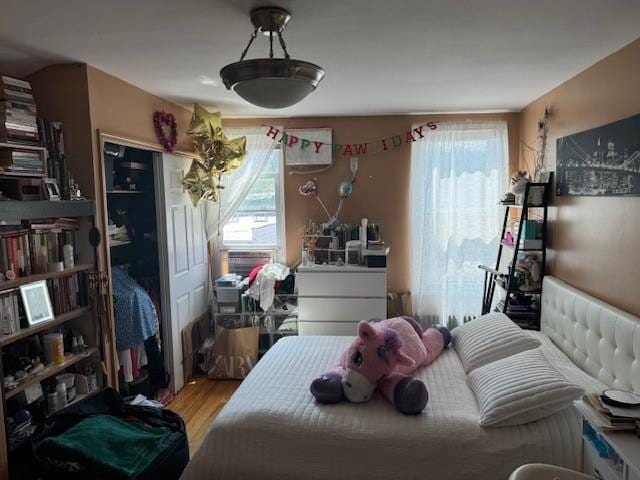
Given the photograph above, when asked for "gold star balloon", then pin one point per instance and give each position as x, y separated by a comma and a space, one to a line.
217, 155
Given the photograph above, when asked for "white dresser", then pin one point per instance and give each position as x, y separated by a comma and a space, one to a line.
332, 300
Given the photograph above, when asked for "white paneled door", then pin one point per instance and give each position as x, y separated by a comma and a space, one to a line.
185, 265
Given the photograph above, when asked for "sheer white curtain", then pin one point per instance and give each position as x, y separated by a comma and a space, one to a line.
238, 184
459, 172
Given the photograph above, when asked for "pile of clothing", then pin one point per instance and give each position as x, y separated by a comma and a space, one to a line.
263, 282
137, 328
118, 234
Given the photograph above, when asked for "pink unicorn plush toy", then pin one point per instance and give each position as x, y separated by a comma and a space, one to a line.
382, 356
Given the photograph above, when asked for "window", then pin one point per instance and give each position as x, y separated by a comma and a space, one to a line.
258, 224
459, 172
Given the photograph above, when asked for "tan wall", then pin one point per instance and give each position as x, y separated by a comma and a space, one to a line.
595, 241
61, 94
119, 108
86, 100
380, 193
382, 187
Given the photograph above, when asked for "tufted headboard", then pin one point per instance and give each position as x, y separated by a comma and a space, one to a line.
600, 339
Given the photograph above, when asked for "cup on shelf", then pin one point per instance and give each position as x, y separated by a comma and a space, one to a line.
67, 253
56, 267
53, 345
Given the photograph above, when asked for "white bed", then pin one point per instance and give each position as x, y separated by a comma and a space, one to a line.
273, 429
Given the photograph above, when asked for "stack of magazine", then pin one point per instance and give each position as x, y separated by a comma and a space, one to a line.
17, 112
607, 417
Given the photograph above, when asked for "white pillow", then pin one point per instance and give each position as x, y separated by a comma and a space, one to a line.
520, 389
489, 338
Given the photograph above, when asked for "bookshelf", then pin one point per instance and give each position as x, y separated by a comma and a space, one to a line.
34, 235
520, 299
83, 319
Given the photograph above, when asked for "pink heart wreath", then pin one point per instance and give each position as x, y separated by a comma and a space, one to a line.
162, 119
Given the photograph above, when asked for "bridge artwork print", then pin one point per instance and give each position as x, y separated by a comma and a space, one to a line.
603, 161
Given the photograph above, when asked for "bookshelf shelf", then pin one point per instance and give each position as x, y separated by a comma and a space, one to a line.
19, 210
27, 332
9, 284
50, 371
118, 192
21, 175
23, 147
512, 247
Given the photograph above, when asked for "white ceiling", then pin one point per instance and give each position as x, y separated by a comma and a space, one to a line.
381, 57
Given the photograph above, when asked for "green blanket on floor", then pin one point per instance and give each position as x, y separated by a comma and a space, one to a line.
106, 446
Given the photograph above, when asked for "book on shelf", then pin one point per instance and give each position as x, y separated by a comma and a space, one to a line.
48, 237
18, 122
10, 311
53, 140
15, 252
18, 107
66, 293
30, 248
22, 161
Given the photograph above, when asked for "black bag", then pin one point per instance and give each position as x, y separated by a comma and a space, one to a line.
168, 465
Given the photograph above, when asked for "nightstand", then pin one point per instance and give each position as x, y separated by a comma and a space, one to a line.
610, 455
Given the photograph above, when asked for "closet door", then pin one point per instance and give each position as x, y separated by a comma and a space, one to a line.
186, 263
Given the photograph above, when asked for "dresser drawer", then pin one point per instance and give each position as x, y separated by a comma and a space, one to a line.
327, 328
342, 284
341, 309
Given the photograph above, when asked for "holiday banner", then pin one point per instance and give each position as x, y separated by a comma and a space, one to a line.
353, 149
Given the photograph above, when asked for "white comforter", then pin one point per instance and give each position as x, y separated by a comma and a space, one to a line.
273, 429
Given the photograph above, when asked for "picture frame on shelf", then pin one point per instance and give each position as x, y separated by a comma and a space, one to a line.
36, 301
50, 189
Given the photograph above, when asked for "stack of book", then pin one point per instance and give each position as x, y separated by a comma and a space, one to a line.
18, 122
33, 247
21, 162
67, 293
48, 237
607, 417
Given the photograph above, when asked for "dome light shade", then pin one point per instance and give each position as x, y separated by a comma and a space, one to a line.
271, 82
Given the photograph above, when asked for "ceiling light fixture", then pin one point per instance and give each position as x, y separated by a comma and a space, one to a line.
271, 82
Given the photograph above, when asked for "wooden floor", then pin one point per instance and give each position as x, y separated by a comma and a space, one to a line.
199, 402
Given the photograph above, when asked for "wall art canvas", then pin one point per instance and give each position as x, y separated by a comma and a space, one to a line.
603, 161
299, 155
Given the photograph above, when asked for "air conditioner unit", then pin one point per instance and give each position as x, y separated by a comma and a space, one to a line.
241, 262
